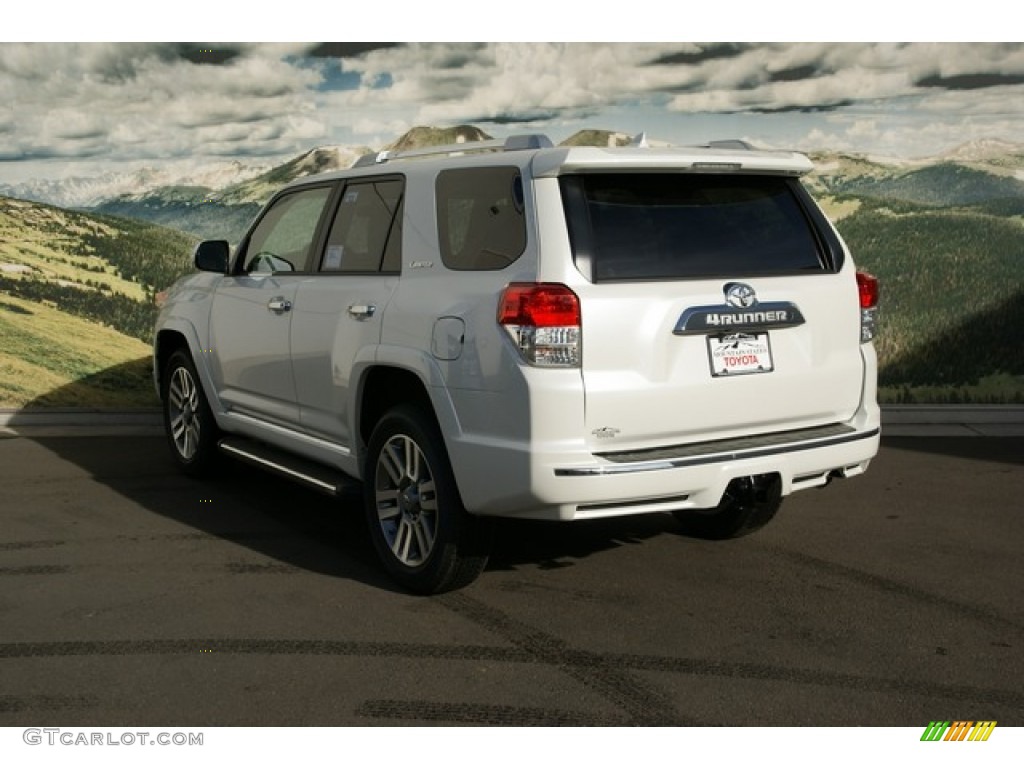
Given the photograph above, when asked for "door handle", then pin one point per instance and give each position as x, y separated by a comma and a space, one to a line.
362, 311
279, 304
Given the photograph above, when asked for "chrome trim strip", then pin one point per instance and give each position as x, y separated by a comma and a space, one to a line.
653, 466
228, 448
667, 501
291, 433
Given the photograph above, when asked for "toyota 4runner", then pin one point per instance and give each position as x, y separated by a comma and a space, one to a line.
513, 329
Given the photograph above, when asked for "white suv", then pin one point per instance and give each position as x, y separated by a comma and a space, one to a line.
513, 329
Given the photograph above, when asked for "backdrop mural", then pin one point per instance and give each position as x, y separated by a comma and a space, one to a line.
116, 158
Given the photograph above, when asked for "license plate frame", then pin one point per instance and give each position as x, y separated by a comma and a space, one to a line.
740, 354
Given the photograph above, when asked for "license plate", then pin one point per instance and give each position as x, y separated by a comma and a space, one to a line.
736, 354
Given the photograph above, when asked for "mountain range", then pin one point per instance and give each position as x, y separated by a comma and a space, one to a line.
90, 191
221, 200
976, 172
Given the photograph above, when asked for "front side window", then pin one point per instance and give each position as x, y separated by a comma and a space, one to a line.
656, 226
366, 235
283, 239
480, 218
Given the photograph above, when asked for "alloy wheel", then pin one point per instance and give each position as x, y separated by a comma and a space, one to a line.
183, 412
406, 500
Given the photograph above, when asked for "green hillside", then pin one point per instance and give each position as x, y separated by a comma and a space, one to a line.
952, 290
50, 358
944, 184
97, 267
77, 304
204, 215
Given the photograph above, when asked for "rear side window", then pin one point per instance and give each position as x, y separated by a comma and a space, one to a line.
635, 226
366, 235
480, 218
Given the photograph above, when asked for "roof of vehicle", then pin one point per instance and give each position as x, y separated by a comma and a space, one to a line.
547, 160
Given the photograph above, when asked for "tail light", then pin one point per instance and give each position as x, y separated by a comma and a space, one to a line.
543, 321
867, 287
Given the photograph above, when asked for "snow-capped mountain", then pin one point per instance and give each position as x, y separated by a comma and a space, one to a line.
87, 192
260, 187
209, 208
985, 150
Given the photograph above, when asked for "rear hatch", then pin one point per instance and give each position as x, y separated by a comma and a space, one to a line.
713, 305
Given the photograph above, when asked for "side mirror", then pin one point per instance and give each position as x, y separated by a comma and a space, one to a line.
213, 256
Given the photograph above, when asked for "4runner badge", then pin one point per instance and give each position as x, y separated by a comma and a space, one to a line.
740, 312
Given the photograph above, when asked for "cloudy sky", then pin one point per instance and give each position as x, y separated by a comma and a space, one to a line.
77, 109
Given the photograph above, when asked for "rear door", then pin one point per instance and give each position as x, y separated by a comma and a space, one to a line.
336, 323
715, 306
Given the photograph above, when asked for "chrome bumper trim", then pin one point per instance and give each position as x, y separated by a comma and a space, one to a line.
710, 458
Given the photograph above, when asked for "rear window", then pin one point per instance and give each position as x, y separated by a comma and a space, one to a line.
633, 226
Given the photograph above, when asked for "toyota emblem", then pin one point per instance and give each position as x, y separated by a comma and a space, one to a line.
739, 295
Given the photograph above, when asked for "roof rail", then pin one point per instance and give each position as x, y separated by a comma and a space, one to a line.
511, 144
730, 144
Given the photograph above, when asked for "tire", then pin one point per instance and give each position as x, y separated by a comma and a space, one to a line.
191, 430
748, 504
424, 536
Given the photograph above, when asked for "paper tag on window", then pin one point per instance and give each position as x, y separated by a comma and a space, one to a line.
333, 258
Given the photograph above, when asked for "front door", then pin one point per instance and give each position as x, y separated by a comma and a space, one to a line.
251, 317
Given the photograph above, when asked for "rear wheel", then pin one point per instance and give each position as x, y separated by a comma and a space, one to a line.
748, 504
419, 527
190, 427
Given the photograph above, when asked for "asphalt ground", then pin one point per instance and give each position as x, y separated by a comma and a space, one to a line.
131, 595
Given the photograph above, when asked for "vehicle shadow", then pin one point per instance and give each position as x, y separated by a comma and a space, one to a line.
980, 346
1001, 450
126, 386
284, 524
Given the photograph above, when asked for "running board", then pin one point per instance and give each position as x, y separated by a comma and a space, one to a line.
333, 482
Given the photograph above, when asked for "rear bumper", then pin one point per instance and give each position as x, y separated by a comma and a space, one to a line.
563, 487
714, 452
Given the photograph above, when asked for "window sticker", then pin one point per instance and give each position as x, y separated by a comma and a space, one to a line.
351, 196
333, 259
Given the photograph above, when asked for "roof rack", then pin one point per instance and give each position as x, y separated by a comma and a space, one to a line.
730, 144
511, 144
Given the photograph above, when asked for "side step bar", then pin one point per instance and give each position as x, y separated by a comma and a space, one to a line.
333, 482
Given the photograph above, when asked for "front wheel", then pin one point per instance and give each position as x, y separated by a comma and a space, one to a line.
190, 427
419, 527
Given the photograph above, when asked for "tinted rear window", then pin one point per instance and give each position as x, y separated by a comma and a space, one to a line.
673, 226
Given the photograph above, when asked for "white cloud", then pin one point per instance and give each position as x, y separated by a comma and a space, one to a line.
502, 79
147, 100
154, 101
863, 129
